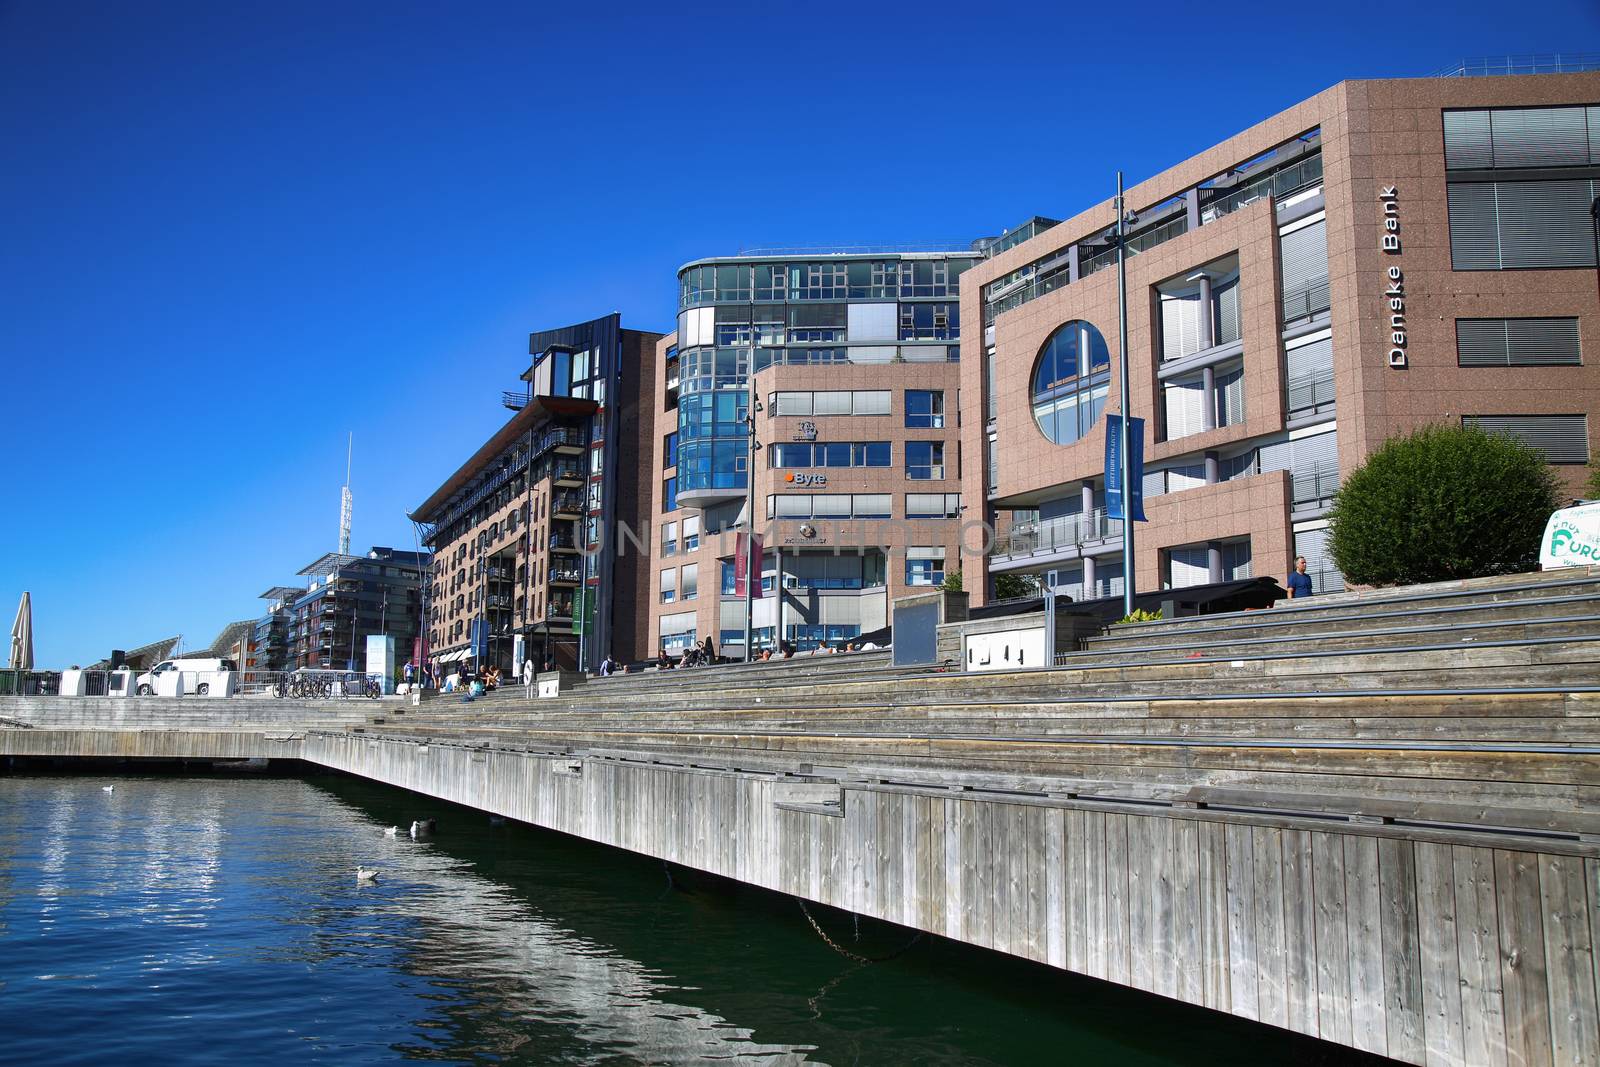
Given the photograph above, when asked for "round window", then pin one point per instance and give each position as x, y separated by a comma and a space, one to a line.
1070, 382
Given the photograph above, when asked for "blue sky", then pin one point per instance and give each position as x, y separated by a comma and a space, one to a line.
235, 233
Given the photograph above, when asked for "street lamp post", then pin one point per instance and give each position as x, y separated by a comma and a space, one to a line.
1122, 387
752, 564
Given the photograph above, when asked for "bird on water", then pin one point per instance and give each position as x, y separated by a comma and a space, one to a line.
393, 831
366, 874
421, 828
108, 788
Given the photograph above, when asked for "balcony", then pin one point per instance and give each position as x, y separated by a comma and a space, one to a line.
565, 576
560, 609
567, 505
570, 474
1042, 543
563, 542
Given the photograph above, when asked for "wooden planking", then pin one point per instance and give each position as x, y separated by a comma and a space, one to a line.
1212, 901
1402, 950
1243, 961
1483, 1024
1057, 882
1271, 935
1300, 931
1364, 920
1441, 964
954, 872
1569, 960
1118, 941
1330, 917
1402, 928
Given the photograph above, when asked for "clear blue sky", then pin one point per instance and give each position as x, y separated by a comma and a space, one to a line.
235, 232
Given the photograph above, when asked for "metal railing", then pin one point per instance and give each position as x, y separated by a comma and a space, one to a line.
1538, 63
1315, 483
1281, 183
15, 683
860, 250
1310, 299
1051, 535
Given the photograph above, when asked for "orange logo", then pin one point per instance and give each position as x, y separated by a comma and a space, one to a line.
789, 478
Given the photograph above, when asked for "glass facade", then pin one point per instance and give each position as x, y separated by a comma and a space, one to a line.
831, 308
1070, 382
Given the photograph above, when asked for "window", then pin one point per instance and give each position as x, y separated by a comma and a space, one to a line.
925, 409
691, 581
924, 566
669, 585
933, 505
861, 402
797, 455
1562, 438
669, 450
677, 631
930, 322
1507, 138
924, 459
669, 494
1511, 225
1186, 326
1310, 372
691, 533
669, 538
829, 506
1517, 342
1303, 252
1070, 381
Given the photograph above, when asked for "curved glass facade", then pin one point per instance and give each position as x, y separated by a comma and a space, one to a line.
1070, 382
835, 308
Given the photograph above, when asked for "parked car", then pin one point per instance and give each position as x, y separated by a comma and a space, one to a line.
191, 669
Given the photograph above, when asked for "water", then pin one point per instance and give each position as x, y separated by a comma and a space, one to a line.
206, 920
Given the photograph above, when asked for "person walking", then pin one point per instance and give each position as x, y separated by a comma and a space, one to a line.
410, 671
1299, 581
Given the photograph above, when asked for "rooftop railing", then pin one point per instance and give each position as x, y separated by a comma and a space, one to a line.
1052, 535
1538, 63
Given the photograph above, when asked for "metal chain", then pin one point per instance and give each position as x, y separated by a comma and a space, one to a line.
846, 953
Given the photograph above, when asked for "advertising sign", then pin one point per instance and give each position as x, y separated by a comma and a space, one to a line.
1571, 538
1114, 466
741, 565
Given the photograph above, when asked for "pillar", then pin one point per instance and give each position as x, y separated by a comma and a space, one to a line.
1087, 496
1088, 578
1208, 339
1213, 468
1213, 561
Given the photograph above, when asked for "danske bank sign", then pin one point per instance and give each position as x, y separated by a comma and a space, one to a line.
1571, 538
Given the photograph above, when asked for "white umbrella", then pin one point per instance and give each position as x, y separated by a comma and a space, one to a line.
22, 636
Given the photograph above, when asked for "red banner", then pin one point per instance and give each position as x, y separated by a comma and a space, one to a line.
741, 557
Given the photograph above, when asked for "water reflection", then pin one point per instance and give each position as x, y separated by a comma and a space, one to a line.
202, 920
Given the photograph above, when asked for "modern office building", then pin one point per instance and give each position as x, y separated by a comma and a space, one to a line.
349, 598
532, 537
1384, 255
857, 477
273, 646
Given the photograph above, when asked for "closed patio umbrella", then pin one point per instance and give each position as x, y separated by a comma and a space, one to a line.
22, 636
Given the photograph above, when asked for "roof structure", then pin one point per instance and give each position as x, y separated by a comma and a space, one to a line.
222, 645
155, 650
283, 592
326, 564
539, 409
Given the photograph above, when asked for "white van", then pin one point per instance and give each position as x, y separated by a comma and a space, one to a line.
191, 670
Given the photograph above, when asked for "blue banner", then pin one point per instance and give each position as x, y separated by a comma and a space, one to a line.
1114, 466
478, 635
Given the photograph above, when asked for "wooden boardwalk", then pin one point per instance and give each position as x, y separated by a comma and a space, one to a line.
1338, 820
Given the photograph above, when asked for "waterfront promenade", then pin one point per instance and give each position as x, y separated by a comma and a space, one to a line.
1371, 818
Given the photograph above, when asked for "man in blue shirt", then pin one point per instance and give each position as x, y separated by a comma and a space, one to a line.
1299, 581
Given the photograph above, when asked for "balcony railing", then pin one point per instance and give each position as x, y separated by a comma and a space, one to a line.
1315, 483
1055, 535
571, 575
567, 503
567, 472
1307, 300
564, 541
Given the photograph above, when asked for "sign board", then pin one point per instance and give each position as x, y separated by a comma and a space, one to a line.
478, 638
1114, 466
1571, 538
741, 557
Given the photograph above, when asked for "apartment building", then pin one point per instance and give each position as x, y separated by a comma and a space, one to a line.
349, 598
531, 535
1384, 255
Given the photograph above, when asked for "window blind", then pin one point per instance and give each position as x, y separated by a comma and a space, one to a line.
1562, 438
1517, 342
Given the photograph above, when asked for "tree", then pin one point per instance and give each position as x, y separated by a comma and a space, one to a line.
952, 582
1013, 586
1591, 488
1444, 502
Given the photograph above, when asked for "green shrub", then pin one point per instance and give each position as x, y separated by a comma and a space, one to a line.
1445, 502
1140, 615
952, 582
1591, 488
1013, 586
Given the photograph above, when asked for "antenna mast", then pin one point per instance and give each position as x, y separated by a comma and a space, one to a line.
346, 501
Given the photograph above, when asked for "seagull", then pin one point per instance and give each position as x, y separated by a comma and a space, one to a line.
366, 874
421, 828
108, 789
391, 831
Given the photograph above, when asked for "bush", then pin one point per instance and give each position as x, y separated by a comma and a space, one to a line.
1591, 488
1014, 586
1140, 615
1442, 503
952, 582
